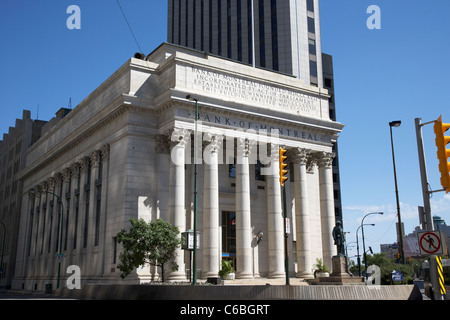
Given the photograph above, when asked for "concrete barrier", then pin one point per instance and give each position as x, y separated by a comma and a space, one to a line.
245, 292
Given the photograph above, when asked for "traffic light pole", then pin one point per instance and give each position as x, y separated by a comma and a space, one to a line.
286, 235
426, 204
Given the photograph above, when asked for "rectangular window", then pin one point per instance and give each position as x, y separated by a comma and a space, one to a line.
310, 5
311, 25
312, 46
313, 68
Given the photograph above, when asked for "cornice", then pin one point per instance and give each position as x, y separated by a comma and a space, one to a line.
77, 137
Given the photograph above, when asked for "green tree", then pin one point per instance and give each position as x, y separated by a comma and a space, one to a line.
153, 243
409, 270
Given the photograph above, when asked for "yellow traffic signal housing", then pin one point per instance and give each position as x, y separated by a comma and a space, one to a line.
283, 165
442, 152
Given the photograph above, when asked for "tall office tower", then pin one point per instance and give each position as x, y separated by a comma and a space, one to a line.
286, 33
286, 37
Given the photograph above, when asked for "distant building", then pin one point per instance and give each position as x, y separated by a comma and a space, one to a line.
411, 242
13, 151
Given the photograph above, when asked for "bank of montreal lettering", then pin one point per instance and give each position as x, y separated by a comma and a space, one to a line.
256, 127
232, 86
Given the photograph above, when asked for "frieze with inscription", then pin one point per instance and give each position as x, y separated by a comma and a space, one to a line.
256, 92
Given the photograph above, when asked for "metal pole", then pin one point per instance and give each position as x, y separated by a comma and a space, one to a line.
253, 36
194, 266
427, 206
357, 252
400, 229
286, 242
364, 246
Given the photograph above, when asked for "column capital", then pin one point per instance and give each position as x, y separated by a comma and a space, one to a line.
66, 174
46, 185
179, 137
212, 141
105, 151
325, 159
301, 155
94, 156
83, 163
244, 147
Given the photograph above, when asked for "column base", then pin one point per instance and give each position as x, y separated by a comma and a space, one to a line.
305, 275
244, 276
276, 275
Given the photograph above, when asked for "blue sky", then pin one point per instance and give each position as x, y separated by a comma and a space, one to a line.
399, 72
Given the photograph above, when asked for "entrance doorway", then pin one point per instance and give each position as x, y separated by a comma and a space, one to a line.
229, 236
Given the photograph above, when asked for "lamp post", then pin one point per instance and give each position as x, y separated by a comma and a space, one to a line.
400, 233
364, 245
194, 263
357, 247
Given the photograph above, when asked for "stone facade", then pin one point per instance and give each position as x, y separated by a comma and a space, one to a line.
127, 151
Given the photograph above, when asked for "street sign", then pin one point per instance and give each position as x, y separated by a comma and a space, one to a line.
397, 276
430, 243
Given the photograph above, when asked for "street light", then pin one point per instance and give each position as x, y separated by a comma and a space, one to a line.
194, 264
357, 247
400, 235
364, 245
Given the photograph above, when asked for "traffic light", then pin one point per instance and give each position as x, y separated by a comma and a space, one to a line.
442, 152
282, 166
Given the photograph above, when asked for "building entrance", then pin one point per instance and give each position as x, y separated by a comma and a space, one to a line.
229, 236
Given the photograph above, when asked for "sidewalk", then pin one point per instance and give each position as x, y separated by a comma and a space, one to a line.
266, 281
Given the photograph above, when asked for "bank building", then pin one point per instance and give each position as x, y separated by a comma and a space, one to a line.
129, 150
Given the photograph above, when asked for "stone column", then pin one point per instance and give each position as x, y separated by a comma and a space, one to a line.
42, 232
302, 218
104, 244
35, 224
275, 224
244, 268
177, 208
210, 243
327, 216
